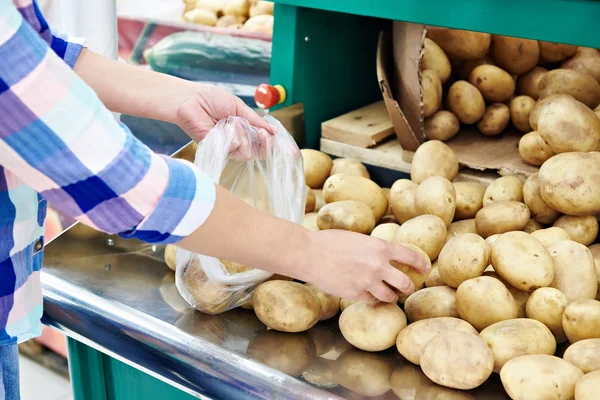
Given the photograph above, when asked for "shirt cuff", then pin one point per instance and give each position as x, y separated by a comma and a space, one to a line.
185, 205
67, 47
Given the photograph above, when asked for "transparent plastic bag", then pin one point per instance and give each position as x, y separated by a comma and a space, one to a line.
266, 172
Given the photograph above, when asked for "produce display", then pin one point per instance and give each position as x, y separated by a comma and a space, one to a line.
246, 15
512, 275
547, 91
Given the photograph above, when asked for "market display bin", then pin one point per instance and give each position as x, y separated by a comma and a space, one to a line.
133, 337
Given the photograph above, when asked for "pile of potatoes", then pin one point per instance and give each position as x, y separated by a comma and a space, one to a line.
515, 271
246, 15
547, 91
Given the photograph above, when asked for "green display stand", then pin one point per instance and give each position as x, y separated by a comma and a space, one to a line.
96, 376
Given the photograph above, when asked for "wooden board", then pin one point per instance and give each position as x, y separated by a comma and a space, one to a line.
365, 127
391, 156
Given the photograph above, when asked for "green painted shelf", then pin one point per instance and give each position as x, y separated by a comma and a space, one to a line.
324, 50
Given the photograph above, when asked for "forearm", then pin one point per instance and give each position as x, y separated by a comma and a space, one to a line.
131, 90
241, 233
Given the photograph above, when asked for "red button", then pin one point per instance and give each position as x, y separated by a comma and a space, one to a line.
267, 96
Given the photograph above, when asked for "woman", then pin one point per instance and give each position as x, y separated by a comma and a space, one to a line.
60, 143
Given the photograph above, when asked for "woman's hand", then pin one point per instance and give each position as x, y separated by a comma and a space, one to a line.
355, 266
201, 107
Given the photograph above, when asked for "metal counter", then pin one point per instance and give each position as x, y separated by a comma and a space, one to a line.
106, 294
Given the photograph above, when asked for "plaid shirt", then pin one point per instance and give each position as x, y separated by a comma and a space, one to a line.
58, 143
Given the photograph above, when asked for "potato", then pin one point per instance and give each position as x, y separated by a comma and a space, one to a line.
436, 60
586, 60
469, 199
386, 231
431, 302
533, 149
581, 320
522, 261
416, 277
348, 215
550, 236
505, 188
501, 217
436, 196
515, 55
582, 230
574, 270
568, 183
517, 337
171, 256
402, 200
319, 201
431, 90
582, 86
458, 348
320, 372
551, 52
595, 250
466, 67
298, 307
236, 7
412, 340
215, 6
345, 303
201, 16
520, 111
484, 301
260, 23
547, 306
310, 221
490, 240
428, 232
443, 125
588, 386
464, 257
384, 320
349, 166
566, 124
460, 44
528, 83
540, 211
461, 227
434, 279
285, 352
261, 8
539, 376
584, 355
433, 158
466, 101
364, 373
495, 119
347, 187
311, 200
532, 226
495, 84
317, 166
330, 305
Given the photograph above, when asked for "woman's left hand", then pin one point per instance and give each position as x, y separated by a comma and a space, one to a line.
205, 105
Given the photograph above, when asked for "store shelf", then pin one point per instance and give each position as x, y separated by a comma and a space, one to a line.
565, 21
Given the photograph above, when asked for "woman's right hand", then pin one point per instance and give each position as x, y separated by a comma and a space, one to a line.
355, 266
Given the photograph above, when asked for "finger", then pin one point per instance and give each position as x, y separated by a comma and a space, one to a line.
404, 255
383, 293
366, 296
398, 280
253, 118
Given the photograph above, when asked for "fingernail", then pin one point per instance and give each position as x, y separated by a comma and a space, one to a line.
428, 267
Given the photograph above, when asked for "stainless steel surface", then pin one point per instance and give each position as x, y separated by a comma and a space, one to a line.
132, 311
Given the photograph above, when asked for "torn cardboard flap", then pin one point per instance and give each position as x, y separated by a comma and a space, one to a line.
404, 104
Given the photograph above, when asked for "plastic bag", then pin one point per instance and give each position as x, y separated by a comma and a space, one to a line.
266, 172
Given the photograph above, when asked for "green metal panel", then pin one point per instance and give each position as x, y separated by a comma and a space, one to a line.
96, 376
565, 21
326, 61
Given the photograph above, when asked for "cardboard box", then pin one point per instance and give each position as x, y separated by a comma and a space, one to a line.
399, 57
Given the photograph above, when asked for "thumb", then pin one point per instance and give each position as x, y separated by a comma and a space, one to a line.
253, 118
